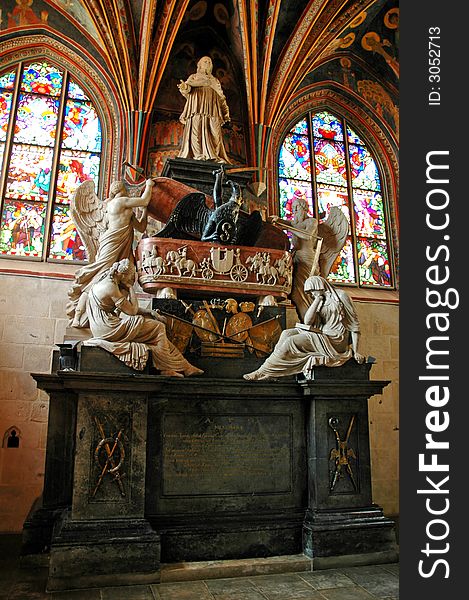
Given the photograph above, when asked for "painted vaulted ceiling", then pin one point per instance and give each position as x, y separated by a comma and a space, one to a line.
274, 47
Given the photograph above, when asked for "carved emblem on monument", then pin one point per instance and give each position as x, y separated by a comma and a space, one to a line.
342, 454
109, 457
221, 328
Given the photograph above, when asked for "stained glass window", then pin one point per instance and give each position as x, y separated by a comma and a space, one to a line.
323, 160
50, 135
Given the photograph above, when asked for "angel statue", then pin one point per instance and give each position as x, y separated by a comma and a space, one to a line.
315, 245
329, 336
107, 230
135, 332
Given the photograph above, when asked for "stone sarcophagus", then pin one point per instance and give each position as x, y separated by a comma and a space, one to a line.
195, 266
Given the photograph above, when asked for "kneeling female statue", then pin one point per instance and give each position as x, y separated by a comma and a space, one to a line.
124, 329
328, 337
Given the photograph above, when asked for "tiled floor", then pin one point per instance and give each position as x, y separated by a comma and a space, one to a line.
355, 583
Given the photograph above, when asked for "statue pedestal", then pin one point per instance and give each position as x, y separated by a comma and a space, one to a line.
102, 538
146, 468
341, 520
199, 173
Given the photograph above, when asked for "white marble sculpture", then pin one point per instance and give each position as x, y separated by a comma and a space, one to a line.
128, 331
316, 246
329, 336
107, 230
204, 114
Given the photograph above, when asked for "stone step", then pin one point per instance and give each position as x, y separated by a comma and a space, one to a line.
219, 569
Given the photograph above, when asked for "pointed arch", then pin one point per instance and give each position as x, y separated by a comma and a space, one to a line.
44, 161
375, 133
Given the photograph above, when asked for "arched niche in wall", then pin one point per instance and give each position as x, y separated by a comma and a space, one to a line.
12, 437
189, 46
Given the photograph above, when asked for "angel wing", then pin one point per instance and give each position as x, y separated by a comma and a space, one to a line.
89, 214
334, 232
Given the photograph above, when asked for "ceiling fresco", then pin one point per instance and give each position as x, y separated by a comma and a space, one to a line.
264, 51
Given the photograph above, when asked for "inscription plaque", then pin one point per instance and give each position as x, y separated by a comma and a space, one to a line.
226, 454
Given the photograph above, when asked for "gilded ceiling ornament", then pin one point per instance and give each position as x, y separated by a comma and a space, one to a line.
371, 41
375, 94
358, 20
391, 18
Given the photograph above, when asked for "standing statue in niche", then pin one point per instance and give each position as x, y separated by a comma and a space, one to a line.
329, 336
107, 230
128, 331
204, 114
315, 245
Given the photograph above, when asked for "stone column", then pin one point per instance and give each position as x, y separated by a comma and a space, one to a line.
103, 539
58, 480
342, 525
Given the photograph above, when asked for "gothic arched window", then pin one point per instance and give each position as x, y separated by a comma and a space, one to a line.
50, 142
323, 160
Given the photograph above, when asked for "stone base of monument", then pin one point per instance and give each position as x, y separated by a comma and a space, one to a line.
208, 468
91, 553
344, 537
37, 534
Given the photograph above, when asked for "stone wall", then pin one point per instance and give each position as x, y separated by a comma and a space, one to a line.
32, 310
379, 323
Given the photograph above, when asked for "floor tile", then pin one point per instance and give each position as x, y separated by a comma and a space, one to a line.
392, 568
241, 588
379, 582
29, 585
85, 594
246, 594
191, 590
29, 591
326, 579
131, 592
347, 593
225, 585
286, 587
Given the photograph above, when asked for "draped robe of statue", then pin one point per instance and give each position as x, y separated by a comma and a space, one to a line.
204, 114
303, 259
299, 350
130, 337
114, 245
